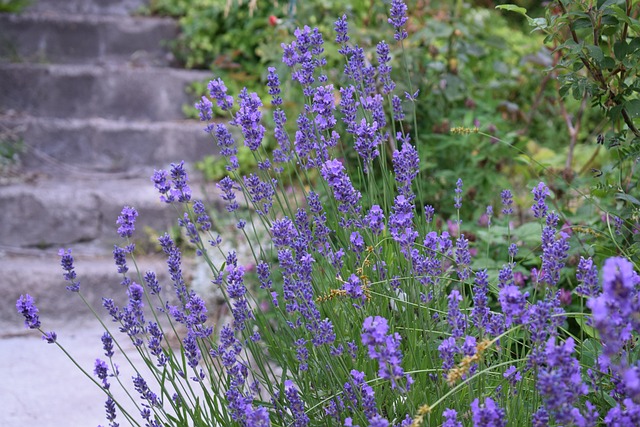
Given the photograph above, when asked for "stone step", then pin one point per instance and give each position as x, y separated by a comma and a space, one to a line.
103, 145
103, 7
84, 208
96, 39
39, 274
84, 91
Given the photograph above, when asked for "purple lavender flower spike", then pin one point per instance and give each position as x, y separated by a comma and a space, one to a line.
507, 202
27, 307
348, 198
218, 91
386, 350
228, 187
398, 19
455, 317
107, 344
162, 184
396, 105
367, 140
463, 258
540, 193
374, 220
248, 118
341, 28
448, 349
488, 414
513, 303
458, 197
126, 221
204, 109
587, 275
324, 106
179, 178
228, 147
384, 70
451, 418
296, 405
480, 310
405, 166
273, 83
66, 261
560, 382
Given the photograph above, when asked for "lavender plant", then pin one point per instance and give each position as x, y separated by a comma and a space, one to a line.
363, 311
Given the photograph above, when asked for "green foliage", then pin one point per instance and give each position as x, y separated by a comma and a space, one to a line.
14, 6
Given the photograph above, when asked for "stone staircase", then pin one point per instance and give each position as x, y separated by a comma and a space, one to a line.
89, 89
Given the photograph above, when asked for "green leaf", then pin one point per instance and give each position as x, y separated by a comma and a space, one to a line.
620, 49
513, 8
633, 107
595, 52
589, 330
628, 198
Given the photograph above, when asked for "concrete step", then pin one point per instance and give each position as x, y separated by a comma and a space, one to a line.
84, 91
103, 145
39, 274
96, 39
103, 7
83, 208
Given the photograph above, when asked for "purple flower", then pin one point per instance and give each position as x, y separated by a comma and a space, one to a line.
66, 261
487, 414
261, 193
296, 405
398, 19
396, 105
341, 28
455, 317
458, 196
429, 212
273, 82
553, 257
107, 344
367, 140
384, 70
512, 375
463, 258
227, 145
451, 418
126, 221
614, 310
507, 202
587, 275
354, 288
228, 187
204, 109
152, 283
401, 223
448, 349
374, 220
101, 370
218, 91
248, 118
540, 193
405, 166
324, 106
27, 307
385, 349
349, 107
480, 310
560, 382
140, 385
513, 303
348, 198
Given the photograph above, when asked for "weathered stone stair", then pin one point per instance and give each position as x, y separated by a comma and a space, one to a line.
90, 90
